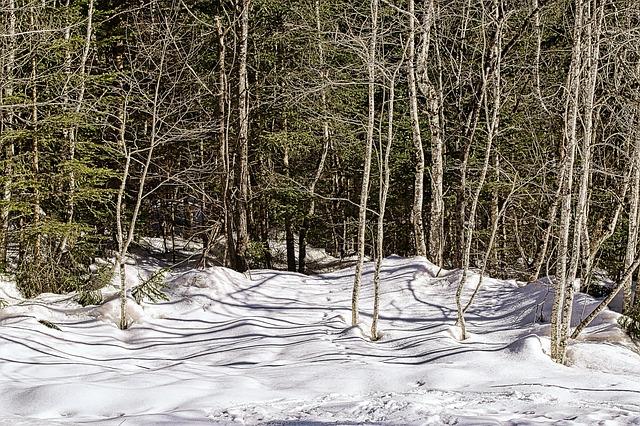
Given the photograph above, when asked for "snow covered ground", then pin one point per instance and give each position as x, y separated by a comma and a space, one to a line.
278, 349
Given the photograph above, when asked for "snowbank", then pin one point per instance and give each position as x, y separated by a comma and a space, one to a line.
279, 348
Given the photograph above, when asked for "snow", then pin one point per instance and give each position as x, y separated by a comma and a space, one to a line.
278, 348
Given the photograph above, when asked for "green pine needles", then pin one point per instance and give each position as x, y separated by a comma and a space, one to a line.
152, 289
631, 322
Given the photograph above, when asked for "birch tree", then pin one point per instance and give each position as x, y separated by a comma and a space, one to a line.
384, 153
416, 213
434, 97
242, 230
492, 105
153, 114
302, 242
7, 126
563, 284
364, 193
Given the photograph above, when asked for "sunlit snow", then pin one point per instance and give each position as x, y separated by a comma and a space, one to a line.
277, 347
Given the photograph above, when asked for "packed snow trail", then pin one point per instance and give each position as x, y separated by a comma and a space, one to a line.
277, 348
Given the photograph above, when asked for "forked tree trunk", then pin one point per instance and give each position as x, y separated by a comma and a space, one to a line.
125, 237
364, 194
385, 174
563, 285
492, 116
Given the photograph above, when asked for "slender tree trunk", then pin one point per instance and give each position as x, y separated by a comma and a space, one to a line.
593, 248
37, 243
607, 300
492, 113
8, 125
538, 27
71, 132
302, 242
288, 227
121, 255
418, 194
553, 212
242, 231
125, 241
364, 194
495, 220
634, 217
563, 285
463, 143
385, 175
223, 142
434, 110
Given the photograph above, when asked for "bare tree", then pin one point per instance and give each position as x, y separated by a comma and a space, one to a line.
434, 96
8, 126
563, 284
364, 193
492, 104
154, 113
242, 231
416, 213
71, 132
302, 243
384, 175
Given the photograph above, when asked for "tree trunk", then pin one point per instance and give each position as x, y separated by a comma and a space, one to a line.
126, 237
242, 231
364, 194
492, 112
37, 243
223, 142
434, 110
71, 132
564, 287
385, 174
634, 216
418, 194
607, 300
8, 126
302, 242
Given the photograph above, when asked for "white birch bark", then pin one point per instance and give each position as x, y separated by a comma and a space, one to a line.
570, 141
126, 237
385, 174
633, 233
418, 190
492, 115
242, 231
71, 133
364, 193
434, 109
302, 243
9, 148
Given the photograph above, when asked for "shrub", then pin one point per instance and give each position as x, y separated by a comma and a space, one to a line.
152, 288
631, 322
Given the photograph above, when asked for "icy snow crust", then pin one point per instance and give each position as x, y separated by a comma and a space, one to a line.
278, 349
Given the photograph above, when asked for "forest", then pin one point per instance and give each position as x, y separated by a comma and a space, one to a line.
497, 137
186, 167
